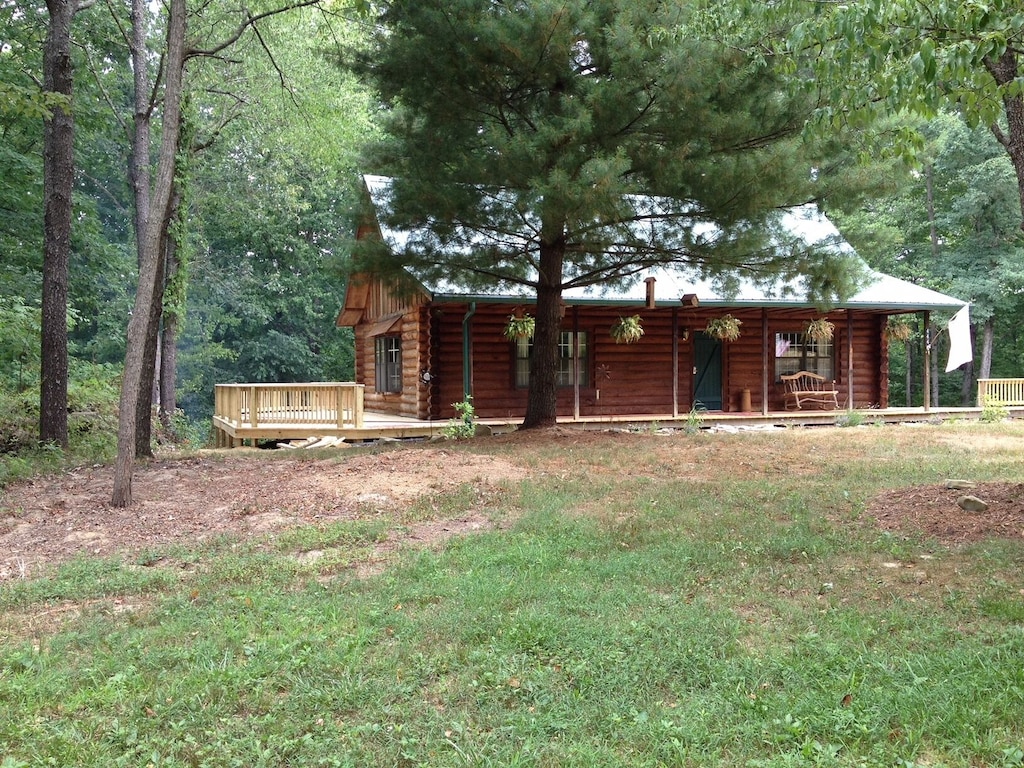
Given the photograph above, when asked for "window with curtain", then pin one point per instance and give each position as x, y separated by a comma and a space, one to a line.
387, 361
563, 376
797, 352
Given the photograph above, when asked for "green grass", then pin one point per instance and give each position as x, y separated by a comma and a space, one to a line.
650, 602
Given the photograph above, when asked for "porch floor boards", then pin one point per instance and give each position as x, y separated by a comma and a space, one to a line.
378, 426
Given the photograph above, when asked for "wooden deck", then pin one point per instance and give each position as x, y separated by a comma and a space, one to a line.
250, 413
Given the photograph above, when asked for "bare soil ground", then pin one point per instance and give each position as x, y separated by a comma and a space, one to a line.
50, 520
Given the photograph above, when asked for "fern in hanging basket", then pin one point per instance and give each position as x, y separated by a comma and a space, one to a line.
726, 328
820, 330
898, 329
627, 330
519, 327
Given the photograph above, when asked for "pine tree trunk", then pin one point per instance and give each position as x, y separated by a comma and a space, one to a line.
542, 398
58, 183
160, 205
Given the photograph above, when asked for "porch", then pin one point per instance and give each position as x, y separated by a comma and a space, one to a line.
254, 412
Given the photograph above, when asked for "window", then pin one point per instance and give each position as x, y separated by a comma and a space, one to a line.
796, 352
563, 376
387, 363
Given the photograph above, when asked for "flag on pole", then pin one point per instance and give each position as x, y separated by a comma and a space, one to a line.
960, 349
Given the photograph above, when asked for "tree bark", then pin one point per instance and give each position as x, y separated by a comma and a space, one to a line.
144, 407
139, 173
987, 343
967, 397
169, 344
542, 398
1004, 71
150, 254
58, 183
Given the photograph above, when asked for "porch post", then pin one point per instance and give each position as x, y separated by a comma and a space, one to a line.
675, 362
927, 361
849, 360
767, 358
467, 351
576, 361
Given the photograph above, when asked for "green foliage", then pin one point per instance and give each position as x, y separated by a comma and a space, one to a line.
892, 55
464, 425
726, 327
850, 419
994, 410
520, 327
694, 420
270, 218
581, 112
627, 330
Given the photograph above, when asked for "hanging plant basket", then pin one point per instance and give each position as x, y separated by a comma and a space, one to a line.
627, 330
725, 328
820, 330
519, 327
898, 329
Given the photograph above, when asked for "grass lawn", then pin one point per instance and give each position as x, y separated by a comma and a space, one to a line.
643, 600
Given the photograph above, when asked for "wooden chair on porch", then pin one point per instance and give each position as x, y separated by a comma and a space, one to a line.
805, 388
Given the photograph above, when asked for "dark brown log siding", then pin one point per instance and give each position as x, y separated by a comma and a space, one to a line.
623, 379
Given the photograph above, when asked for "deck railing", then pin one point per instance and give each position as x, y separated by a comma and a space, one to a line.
336, 404
1003, 391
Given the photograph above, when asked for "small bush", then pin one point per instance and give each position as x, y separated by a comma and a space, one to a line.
463, 426
850, 419
994, 410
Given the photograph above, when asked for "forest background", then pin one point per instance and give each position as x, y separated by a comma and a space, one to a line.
266, 189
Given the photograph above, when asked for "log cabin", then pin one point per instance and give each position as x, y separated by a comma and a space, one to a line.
420, 350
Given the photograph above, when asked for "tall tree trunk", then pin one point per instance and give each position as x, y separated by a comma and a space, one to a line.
139, 173
144, 407
151, 253
58, 183
542, 397
967, 397
987, 342
1004, 71
169, 340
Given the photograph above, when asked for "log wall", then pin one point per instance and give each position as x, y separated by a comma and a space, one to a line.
623, 379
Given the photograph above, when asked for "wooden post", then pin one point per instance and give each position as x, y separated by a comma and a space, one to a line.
849, 360
675, 362
767, 358
357, 405
253, 418
576, 361
340, 398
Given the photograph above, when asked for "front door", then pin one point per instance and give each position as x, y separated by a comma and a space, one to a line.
707, 372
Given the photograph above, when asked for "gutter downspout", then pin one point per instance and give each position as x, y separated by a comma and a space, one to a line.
467, 351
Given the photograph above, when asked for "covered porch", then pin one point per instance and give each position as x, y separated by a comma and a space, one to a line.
250, 413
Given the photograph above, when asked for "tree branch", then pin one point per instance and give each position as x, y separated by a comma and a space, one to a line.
249, 21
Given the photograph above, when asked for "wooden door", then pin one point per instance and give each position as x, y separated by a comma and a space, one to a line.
707, 372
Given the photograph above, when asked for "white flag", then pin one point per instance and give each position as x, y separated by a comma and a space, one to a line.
960, 349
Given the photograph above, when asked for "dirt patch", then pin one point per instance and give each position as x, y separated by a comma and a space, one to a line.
50, 520
932, 511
